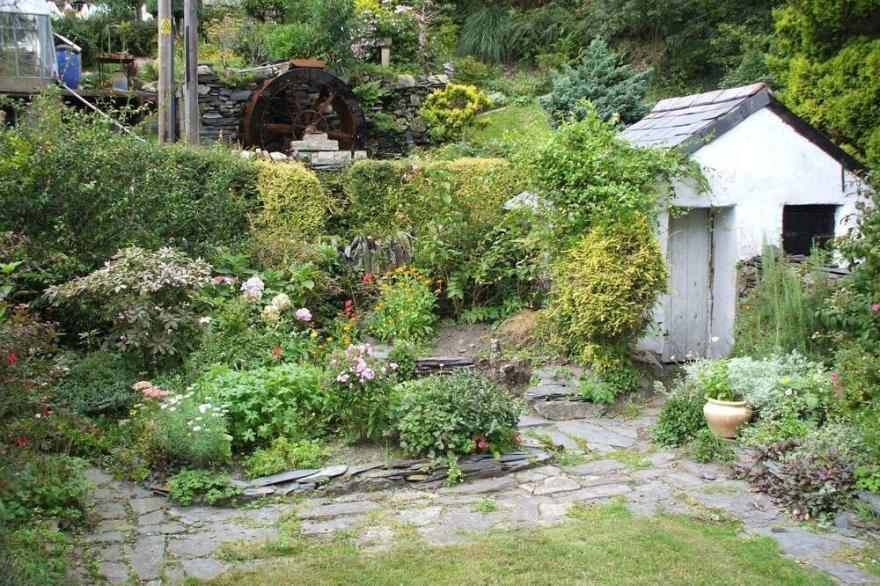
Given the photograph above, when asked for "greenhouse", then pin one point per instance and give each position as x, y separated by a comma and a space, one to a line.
27, 54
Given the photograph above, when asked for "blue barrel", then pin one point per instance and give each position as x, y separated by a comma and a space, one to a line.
69, 66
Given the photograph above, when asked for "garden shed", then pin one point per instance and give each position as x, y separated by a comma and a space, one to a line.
772, 179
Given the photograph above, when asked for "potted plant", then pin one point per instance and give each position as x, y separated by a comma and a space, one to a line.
725, 410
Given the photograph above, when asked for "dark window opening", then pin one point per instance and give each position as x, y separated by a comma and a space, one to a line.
805, 227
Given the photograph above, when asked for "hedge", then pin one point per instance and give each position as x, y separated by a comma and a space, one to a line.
385, 197
292, 201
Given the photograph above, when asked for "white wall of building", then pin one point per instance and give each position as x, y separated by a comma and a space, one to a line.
753, 171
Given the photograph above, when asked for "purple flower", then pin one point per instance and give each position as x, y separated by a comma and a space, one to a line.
253, 287
303, 314
368, 374
342, 378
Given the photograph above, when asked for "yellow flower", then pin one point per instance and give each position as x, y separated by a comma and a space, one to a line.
314, 334
784, 381
329, 339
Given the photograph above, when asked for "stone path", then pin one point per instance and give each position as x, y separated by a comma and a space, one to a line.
141, 538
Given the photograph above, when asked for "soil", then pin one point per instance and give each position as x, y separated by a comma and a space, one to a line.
463, 340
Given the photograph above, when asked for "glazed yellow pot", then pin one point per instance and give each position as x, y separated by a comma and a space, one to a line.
726, 417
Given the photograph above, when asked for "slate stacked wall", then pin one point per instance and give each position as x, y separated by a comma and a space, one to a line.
393, 125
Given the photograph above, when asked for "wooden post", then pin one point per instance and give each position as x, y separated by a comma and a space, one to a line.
385, 52
191, 75
166, 73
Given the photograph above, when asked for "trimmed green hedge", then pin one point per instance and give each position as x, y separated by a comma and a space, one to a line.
386, 197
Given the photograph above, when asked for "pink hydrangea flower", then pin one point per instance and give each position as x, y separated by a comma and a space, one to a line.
876, 307
342, 378
303, 314
253, 287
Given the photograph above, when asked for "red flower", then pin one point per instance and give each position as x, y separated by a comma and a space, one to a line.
349, 308
276, 351
21, 442
45, 411
367, 280
11, 358
481, 440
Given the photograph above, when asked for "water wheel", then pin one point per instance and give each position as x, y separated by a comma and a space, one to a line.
300, 100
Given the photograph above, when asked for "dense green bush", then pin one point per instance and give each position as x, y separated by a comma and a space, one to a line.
456, 414
81, 190
98, 383
292, 41
449, 111
603, 290
591, 176
189, 486
269, 402
292, 202
615, 90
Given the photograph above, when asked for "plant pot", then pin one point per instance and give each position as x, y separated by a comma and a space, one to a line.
726, 417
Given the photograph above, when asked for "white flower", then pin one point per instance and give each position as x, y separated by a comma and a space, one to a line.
197, 428
205, 320
203, 408
715, 338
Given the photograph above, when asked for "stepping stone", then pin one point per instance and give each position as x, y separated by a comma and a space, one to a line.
203, 569
283, 477
526, 421
147, 505
147, 556
555, 484
564, 410
325, 474
844, 572
597, 467
338, 509
595, 434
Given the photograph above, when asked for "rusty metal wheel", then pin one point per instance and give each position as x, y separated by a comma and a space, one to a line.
300, 100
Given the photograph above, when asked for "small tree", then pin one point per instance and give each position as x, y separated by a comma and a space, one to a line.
603, 79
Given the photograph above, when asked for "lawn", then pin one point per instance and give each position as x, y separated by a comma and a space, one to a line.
602, 545
512, 125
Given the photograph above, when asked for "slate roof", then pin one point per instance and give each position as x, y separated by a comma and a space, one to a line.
691, 122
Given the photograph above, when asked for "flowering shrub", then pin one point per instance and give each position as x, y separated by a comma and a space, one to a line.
459, 413
449, 111
405, 307
361, 392
144, 297
265, 403
26, 367
191, 430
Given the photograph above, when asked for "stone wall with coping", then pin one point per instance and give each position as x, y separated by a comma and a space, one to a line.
393, 123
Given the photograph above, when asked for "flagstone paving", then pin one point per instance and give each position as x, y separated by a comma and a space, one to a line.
142, 538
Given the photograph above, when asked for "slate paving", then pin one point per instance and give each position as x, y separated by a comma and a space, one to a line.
143, 539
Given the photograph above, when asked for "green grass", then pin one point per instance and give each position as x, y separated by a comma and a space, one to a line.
601, 545
513, 125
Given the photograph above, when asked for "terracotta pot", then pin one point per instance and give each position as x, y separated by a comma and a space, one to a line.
726, 417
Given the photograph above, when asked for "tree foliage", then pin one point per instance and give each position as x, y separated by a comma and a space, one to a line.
614, 89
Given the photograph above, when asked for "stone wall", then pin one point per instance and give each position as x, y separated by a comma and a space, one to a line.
393, 125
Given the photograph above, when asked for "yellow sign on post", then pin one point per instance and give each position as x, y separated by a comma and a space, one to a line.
165, 26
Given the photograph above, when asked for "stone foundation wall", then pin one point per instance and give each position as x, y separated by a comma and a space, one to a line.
393, 125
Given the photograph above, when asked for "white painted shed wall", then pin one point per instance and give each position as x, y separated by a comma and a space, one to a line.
753, 170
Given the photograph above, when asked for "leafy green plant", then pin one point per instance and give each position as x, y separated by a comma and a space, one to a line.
468, 70
448, 112
600, 81
780, 314
284, 454
456, 414
191, 486
405, 309
191, 430
360, 397
264, 403
715, 382
680, 419
705, 447
37, 554
44, 486
370, 93
144, 299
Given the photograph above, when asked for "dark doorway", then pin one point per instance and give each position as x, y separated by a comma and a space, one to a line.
804, 227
